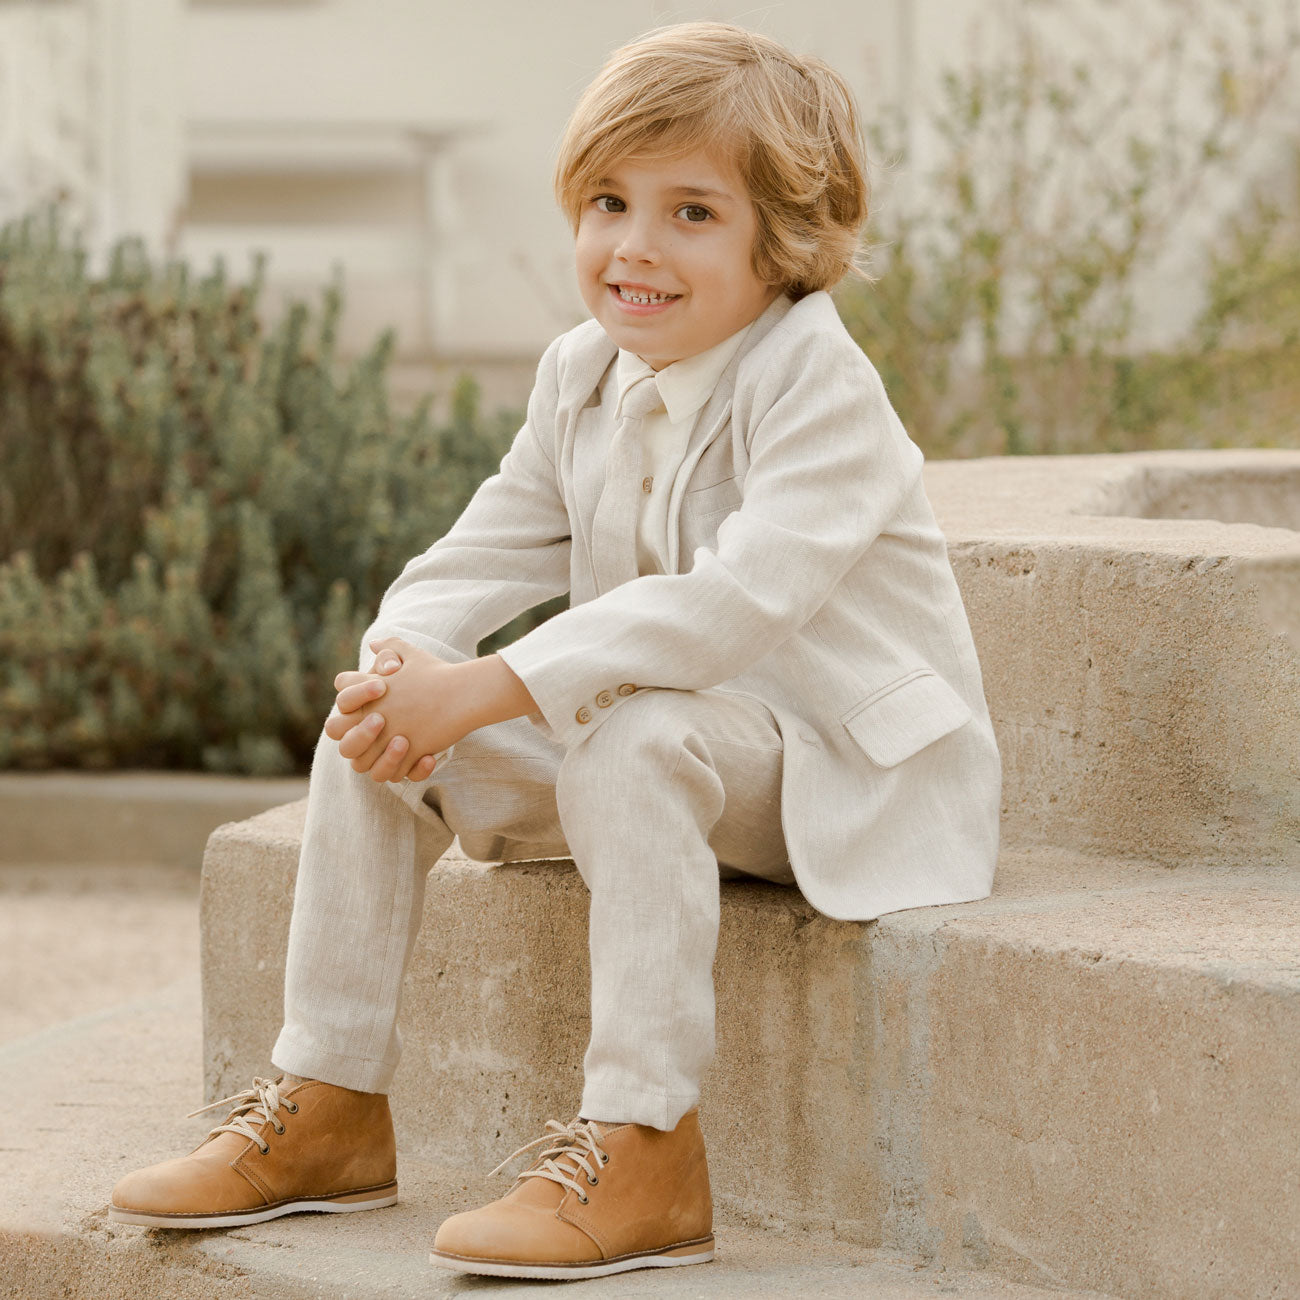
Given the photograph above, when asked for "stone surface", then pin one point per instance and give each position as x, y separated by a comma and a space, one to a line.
1090, 1079
1138, 624
132, 818
88, 1100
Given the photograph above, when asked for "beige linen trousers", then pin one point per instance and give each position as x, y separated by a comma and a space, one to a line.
681, 787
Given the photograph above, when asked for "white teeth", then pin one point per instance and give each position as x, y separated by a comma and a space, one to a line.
631, 295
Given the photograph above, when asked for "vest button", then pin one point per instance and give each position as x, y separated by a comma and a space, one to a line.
604, 699
583, 714
626, 689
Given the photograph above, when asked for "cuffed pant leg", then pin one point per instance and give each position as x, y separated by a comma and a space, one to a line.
670, 788
356, 912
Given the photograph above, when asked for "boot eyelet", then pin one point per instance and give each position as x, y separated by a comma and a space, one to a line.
266, 1150
604, 1158
279, 1128
593, 1181
582, 1198
291, 1107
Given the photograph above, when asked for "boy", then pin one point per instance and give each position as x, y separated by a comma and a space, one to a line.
765, 669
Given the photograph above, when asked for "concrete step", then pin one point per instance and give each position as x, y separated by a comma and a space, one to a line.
1138, 625
1090, 1079
88, 1099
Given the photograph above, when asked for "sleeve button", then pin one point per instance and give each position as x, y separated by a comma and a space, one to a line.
626, 689
604, 699
583, 714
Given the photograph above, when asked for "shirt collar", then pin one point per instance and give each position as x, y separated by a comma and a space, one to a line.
685, 385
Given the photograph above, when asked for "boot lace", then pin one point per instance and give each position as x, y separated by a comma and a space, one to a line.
578, 1143
260, 1104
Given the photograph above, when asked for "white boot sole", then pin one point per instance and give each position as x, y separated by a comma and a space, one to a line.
358, 1201
695, 1253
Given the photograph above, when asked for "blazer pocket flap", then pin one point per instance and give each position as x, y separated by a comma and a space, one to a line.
713, 498
901, 719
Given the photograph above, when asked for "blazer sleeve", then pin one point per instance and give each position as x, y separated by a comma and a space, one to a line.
508, 550
830, 466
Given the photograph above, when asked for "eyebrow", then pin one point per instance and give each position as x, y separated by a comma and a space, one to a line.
696, 192
691, 191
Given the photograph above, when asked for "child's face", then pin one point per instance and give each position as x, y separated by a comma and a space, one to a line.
681, 232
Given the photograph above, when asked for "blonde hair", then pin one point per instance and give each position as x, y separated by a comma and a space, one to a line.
787, 122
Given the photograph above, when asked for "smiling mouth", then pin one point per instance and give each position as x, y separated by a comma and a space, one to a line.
643, 297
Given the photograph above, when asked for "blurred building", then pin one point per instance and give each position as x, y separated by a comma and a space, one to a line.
409, 141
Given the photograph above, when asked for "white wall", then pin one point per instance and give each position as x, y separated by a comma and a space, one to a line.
89, 113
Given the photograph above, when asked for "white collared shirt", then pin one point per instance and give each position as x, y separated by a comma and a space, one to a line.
685, 387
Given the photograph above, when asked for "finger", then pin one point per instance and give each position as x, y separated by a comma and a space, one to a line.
338, 725
371, 756
393, 647
417, 768
350, 678
351, 698
362, 737
390, 762
387, 662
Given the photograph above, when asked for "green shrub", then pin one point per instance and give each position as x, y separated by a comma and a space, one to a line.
197, 517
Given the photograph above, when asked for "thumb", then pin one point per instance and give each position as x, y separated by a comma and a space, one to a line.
390, 654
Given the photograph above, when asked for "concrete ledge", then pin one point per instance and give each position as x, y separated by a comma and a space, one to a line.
1090, 1079
154, 818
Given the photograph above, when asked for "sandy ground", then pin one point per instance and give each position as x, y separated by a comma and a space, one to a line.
76, 939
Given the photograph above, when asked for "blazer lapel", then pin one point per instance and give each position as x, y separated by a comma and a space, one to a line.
713, 419
710, 422
589, 452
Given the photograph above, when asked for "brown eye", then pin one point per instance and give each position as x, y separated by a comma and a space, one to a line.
696, 214
604, 202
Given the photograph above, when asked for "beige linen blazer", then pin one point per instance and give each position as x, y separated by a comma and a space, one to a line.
806, 568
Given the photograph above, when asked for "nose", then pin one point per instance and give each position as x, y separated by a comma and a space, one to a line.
637, 242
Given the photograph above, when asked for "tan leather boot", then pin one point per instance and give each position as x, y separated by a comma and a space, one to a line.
599, 1200
308, 1146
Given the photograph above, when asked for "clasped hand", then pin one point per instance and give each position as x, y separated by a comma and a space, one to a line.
420, 714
